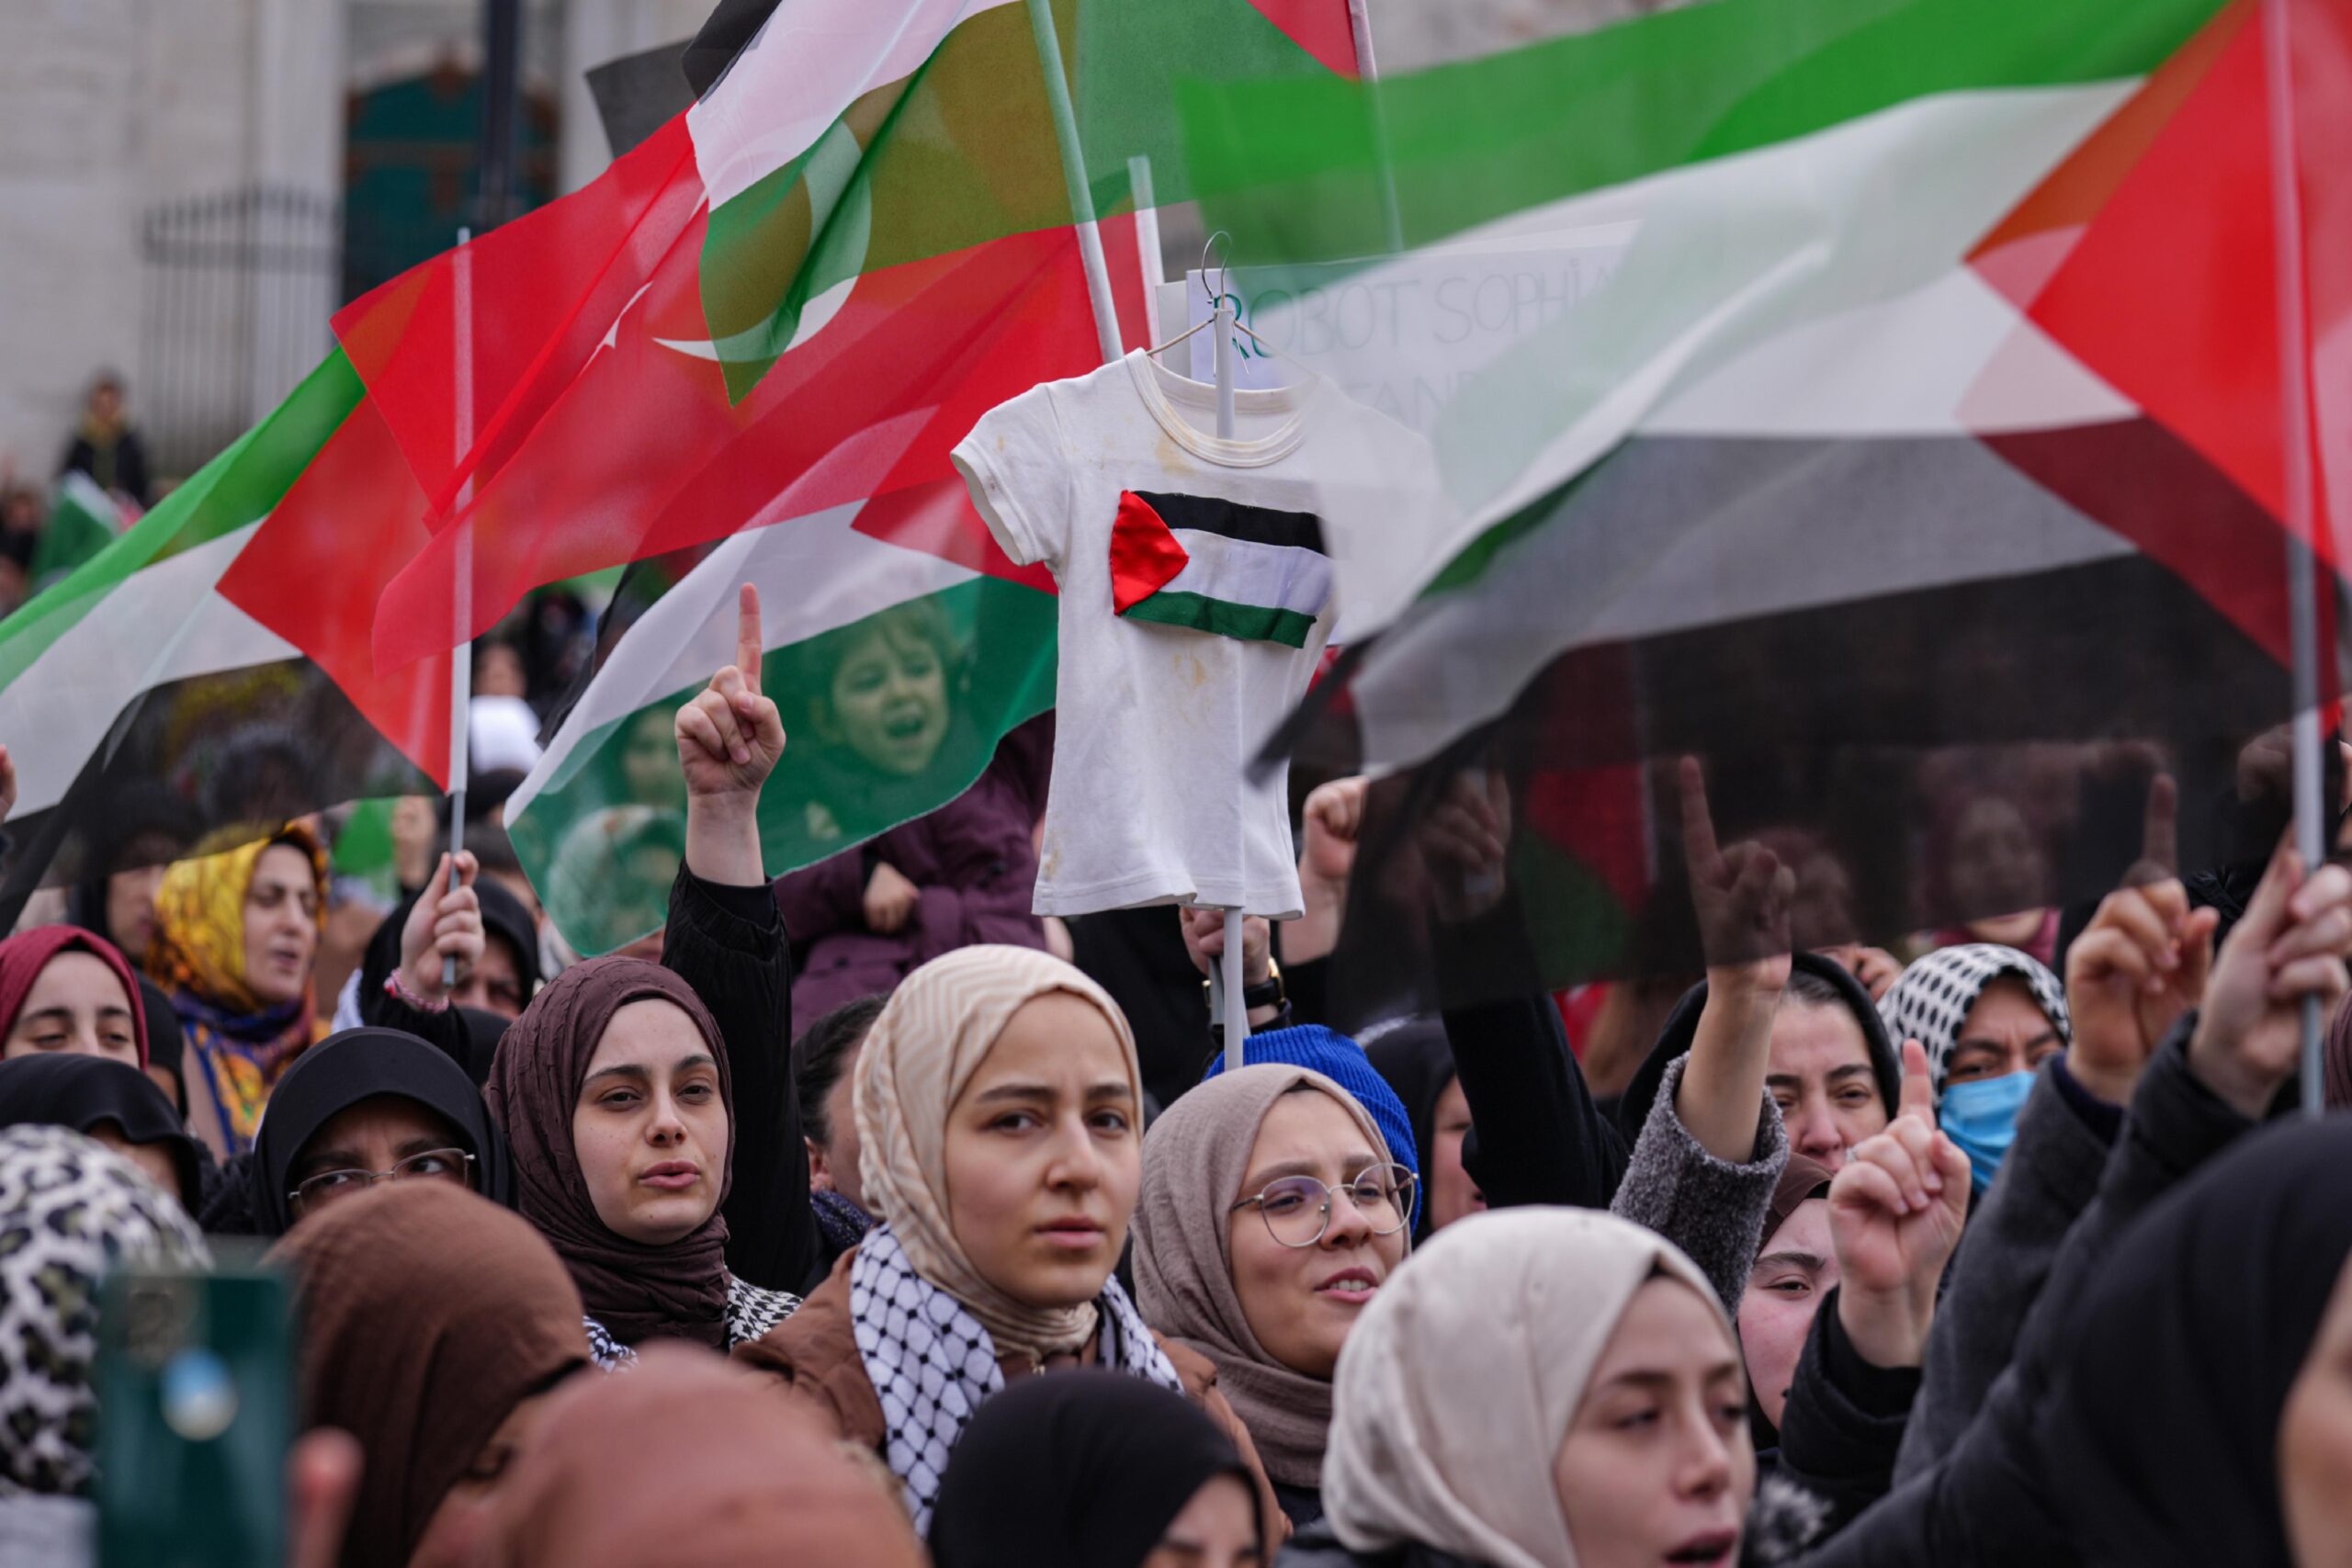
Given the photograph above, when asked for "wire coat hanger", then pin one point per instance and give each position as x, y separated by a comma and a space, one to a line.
1216, 293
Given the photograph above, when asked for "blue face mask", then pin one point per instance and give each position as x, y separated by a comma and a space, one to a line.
1981, 1118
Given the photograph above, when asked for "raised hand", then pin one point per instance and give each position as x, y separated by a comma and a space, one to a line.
2290, 944
444, 923
731, 737
1334, 816
2138, 967
891, 899
1742, 895
1465, 842
1895, 1213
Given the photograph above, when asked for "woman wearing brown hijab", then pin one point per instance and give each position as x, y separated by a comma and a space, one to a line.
738, 1479
432, 1321
615, 1093
1272, 1217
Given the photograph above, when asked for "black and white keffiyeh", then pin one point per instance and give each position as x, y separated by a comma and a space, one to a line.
751, 1310
932, 1362
1936, 994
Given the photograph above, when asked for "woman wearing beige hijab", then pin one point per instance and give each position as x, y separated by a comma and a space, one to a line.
998, 1113
1272, 1217
1539, 1388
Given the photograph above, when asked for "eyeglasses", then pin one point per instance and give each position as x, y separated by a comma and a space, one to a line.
1298, 1209
433, 1165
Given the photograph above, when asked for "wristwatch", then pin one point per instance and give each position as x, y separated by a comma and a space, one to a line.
1267, 993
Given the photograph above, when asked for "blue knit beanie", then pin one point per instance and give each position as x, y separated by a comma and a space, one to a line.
1341, 1060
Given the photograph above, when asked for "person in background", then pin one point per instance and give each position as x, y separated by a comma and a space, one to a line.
148, 827
959, 876
114, 1103
1795, 1269
65, 989
105, 446
1416, 1061
434, 1324
998, 1114
362, 1107
824, 1065
236, 933
1097, 1471
1988, 1017
717, 1472
71, 1211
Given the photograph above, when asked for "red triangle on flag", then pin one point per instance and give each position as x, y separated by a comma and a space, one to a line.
1322, 27
1144, 557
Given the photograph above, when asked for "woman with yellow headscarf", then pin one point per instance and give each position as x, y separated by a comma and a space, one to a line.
236, 936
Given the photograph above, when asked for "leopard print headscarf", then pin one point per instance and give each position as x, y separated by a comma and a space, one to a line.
69, 1210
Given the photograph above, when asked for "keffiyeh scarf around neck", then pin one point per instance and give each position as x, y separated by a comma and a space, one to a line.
933, 1363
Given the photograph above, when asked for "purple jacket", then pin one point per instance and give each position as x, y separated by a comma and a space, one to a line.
974, 859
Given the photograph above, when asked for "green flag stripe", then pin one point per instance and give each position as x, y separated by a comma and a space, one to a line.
236, 488
1197, 612
1298, 165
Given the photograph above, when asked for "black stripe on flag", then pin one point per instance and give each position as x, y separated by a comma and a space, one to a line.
1238, 520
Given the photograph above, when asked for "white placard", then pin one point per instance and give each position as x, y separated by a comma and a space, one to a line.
1403, 333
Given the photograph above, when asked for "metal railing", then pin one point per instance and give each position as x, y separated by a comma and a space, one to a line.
238, 289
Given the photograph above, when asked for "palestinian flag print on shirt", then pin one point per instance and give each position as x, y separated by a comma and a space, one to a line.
1222, 567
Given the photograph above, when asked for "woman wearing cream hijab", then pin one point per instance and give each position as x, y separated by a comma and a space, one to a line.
999, 1114
1538, 1388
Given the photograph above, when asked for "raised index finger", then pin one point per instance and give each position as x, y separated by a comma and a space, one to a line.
1698, 826
747, 637
1918, 1096
2160, 829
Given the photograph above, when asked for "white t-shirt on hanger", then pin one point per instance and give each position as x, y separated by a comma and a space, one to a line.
1195, 600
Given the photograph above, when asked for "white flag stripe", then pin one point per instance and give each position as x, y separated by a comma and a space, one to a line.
56, 713
1274, 577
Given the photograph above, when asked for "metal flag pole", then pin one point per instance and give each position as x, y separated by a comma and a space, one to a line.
2302, 536
462, 661
1232, 1005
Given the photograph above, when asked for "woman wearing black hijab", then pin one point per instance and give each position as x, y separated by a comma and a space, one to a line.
1090, 1469
111, 1102
2167, 1433
369, 1102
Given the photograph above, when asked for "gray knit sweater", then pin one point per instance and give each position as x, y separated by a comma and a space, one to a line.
1710, 1207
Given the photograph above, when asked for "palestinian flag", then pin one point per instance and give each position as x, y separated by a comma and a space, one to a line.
751, 347
791, 297
82, 520
217, 651
1218, 566
1918, 465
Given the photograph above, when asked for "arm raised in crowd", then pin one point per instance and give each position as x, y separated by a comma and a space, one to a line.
1896, 1211
442, 922
726, 939
1536, 1135
2136, 970
2214, 1075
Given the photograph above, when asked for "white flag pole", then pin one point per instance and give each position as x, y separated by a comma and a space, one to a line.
462, 662
1081, 197
2295, 438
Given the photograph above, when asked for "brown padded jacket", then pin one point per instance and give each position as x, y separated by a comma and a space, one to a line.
814, 1354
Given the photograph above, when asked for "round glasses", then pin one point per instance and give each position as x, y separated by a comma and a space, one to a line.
1298, 1209
432, 1164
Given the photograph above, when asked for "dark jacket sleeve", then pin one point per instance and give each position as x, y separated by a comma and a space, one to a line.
1988, 1502
1844, 1421
1536, 1135
444, 1031
2050, 1177
729, 944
